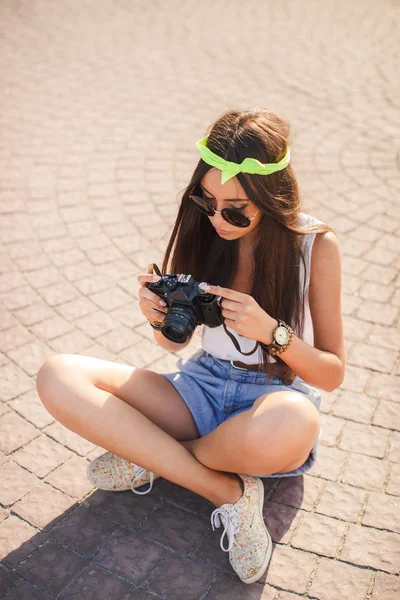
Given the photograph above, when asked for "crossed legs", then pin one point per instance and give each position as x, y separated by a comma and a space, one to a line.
138, 415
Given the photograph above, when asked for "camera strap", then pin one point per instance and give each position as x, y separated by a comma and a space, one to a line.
236, 343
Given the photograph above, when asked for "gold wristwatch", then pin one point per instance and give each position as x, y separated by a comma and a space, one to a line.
282, 336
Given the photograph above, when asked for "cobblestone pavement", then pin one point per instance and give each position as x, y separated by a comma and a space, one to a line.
102, 102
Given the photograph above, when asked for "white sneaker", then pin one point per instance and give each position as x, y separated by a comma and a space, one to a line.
249, 542
115, 474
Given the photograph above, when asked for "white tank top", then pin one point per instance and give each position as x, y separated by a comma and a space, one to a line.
216, 342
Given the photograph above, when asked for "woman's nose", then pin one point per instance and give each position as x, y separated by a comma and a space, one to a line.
218, 221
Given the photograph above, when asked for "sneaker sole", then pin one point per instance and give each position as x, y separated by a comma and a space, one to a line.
267, 558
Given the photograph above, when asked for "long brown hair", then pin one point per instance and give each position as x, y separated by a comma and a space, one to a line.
196, 247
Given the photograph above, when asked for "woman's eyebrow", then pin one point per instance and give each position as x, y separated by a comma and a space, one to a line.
226, 199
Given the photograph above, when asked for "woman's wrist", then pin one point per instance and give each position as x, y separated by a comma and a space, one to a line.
268, 331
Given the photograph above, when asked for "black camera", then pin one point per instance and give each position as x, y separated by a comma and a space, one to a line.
189, 305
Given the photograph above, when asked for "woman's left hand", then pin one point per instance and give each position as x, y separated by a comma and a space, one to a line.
244, 315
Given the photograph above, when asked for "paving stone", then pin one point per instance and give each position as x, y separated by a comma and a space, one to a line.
365, 439
95, 583
320, 534
355, 407
180, 496
143, 354
329, 399
119, 339
363, 546
14, 337
373, 357
386, 586
355, 379
27, 591
43, 506
393, 486
70, 343
16, 483
341, 501
365, 472
385, 337
208, 550
83, 530
31, 356
15, 432
52, 328
8, 580
71, 478
58, 293
172, 577
123, 507
331, 429
384, 387
387, 415
76, 308
30, 407
51, 567
69, 438
335, 580
329, 463
17, 540
13, 382
41, 456
3, 514
174, 527
131, 556
35, 313
382, 512
228, 586
281, 521
372, 311
290, 568
96, 324
301, 492
287, 596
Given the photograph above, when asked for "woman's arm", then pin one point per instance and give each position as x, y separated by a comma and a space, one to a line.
322, 365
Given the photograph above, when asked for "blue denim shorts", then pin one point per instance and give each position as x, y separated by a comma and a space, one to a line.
215, 390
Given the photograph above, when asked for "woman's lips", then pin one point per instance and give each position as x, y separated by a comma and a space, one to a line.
221, 231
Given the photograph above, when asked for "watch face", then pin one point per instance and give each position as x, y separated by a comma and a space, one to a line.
281, 335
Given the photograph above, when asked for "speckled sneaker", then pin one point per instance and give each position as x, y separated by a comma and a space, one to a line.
115, 474
250, 544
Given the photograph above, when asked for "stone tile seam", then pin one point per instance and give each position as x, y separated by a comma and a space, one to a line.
346, 562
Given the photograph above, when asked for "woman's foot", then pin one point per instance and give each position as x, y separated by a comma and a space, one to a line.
115, 474
249, 542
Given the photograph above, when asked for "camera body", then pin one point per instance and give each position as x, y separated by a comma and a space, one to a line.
188, 306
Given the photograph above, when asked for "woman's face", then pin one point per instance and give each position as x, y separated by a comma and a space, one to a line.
230, 194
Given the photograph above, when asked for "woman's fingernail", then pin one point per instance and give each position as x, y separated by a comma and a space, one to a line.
206, 287
156, 278
162, 303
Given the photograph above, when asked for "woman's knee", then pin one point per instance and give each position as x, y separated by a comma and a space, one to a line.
53, 378
288, 422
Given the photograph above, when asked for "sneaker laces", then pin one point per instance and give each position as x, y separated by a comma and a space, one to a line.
231, 524
138, 475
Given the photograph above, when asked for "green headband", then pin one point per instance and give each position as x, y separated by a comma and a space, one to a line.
248, 165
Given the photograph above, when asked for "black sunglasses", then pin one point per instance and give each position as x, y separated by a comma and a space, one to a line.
233, 216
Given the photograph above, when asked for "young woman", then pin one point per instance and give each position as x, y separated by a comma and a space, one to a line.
245, 405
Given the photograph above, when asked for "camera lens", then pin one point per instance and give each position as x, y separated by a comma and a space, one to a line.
179, 323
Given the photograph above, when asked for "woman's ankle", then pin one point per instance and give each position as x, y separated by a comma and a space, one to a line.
230, 492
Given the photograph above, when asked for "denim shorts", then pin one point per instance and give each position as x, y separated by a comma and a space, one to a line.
214, 390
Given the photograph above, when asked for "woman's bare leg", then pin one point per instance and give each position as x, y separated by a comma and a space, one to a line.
107, 421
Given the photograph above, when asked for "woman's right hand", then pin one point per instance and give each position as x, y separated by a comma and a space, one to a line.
152, 306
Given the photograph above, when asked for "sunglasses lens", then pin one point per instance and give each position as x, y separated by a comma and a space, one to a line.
234, 217
202, 205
